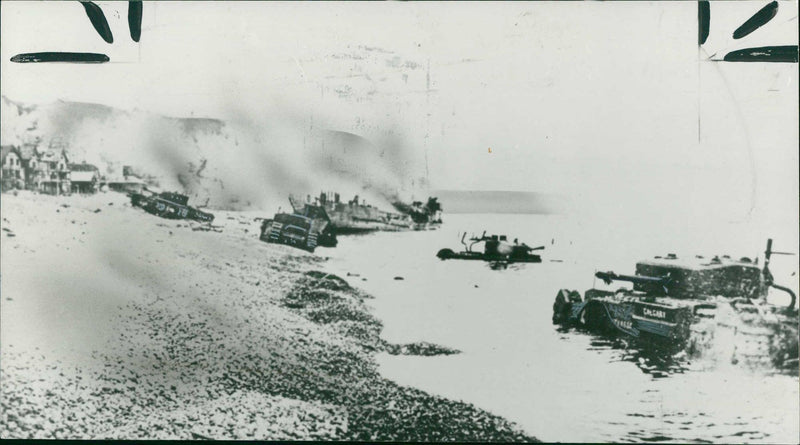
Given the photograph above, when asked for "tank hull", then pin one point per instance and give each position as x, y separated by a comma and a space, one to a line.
626, 316
306, 234
447, 254
715, 309
278, 233
169, 209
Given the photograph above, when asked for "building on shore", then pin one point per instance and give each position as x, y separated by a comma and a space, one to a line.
84, 178
34, 171
43, 171
54, 173
12, 175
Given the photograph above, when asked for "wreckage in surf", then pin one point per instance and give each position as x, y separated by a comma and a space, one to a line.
496, 248
718, 305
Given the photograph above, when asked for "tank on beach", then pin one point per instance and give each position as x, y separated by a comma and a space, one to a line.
169, 205
690, 304
306, 228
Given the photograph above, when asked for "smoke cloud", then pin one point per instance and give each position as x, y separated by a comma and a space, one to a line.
252, 161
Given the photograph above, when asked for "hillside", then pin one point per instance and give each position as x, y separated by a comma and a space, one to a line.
251, 163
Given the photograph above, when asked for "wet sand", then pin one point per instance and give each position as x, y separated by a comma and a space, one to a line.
117, 324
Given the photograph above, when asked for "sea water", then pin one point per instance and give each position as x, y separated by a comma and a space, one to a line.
564, 385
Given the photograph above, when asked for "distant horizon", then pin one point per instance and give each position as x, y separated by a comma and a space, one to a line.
499, 201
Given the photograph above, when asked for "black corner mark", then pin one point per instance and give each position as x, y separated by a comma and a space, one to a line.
703, 21
60, 57
100, 24
758, 20
770, 53
98, 20
135, 19
777, 54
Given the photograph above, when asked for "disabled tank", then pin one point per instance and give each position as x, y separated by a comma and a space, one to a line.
719, 307
169, 205
306, 228
496, 248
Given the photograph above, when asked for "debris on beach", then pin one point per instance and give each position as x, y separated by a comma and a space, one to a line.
207, 228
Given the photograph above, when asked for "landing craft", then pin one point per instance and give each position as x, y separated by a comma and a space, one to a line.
496, 248
691, 304
356, 216
424, 215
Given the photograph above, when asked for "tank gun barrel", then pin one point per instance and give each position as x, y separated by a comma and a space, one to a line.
608, 277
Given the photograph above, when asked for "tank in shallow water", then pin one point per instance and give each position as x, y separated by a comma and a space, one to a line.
169, 205
717, 306
496, 249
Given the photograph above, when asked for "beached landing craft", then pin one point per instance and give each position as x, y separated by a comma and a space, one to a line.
306, 228
496, 248
424, 215
356, 216
169, 205
718, 305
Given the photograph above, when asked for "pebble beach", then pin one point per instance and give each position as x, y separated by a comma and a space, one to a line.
117, 324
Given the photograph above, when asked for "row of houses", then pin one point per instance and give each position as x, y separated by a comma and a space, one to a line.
46, 171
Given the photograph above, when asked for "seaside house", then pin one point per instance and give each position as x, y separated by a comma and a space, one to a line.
54, 168
33, 168
13, 173
84, 178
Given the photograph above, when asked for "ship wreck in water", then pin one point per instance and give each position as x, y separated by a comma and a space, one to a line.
356, 216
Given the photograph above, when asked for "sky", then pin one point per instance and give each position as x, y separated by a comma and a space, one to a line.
604, 103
